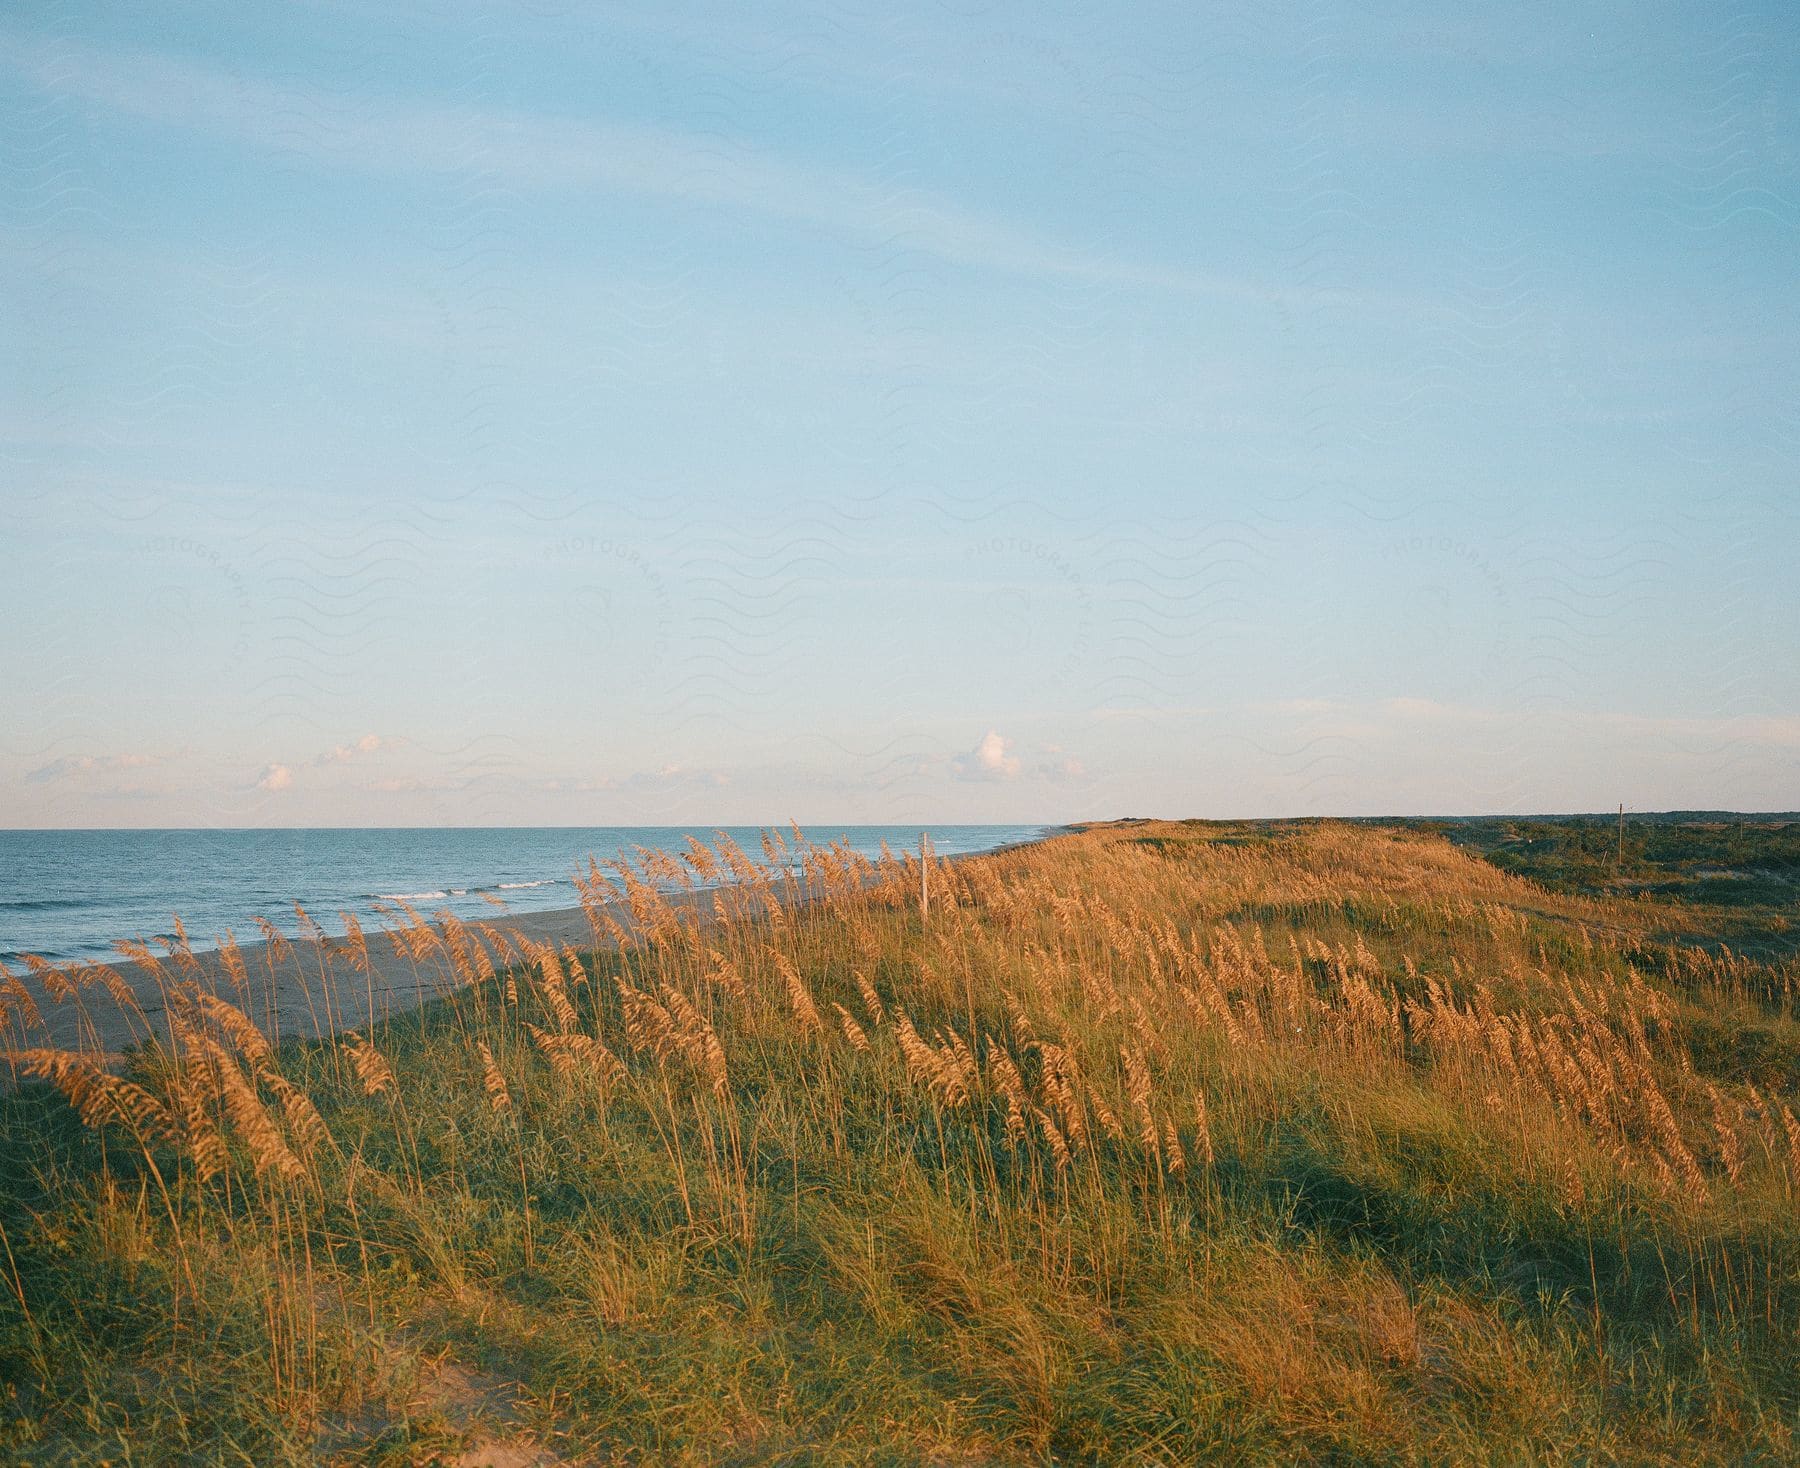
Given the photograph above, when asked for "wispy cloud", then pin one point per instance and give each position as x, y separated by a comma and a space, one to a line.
526, 150
82, 764
1779, 731
342, 754
280, 775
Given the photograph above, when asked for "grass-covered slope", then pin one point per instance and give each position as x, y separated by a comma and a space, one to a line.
1742, 871
1158, 1143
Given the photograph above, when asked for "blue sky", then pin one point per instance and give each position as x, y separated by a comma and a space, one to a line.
541, 413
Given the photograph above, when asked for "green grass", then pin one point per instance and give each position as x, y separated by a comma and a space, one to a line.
1396, 1254
1741, 872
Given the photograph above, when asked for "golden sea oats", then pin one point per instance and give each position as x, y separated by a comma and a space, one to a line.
303, 1120
503, 947
698, 1041
921, 1059
1101, 992
1660, 1169
420, 937
1061, 1081
853, 1032
279, 949
871, 1000
1792, 1128
99, 1097
114, 983
865, 940
574, 968
235, 969
499, 1098
648, 1026
1059, 1146
56, 982
309, 928
956, 1071
1149, 1032
1109, 1123
1174, 1159
15, 996
232, 1022
199, 1133
1137, 1090
561, 1061
147, 1115
800, 998
269, 1151
1762, 1114
1731, 1152
605, 923
569, 1054
701, 859
723, 972
479, 956
139, 953
182, 950
663, 867
372, 1070
555, 996
1203, 1144
1668, 1134
456, 940
1011, 1085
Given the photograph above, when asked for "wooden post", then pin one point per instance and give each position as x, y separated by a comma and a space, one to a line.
1621, 836
924, 878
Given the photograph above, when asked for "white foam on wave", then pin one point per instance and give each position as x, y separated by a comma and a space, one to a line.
409, 896
511, 886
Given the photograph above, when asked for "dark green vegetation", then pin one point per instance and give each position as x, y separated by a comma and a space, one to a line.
1153, 1144
1740, 873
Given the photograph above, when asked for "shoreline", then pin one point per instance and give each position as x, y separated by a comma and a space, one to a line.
314, 990
89, 946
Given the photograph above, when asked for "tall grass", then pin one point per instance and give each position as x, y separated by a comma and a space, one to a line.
1138, 1145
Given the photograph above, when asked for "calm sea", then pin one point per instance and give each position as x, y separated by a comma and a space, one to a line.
68, 894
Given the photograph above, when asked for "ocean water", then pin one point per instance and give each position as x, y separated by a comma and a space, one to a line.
69, 894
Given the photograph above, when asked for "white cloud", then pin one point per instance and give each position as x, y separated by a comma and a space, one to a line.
276, 777
992, 759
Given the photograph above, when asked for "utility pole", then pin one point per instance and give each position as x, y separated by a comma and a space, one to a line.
924, 878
